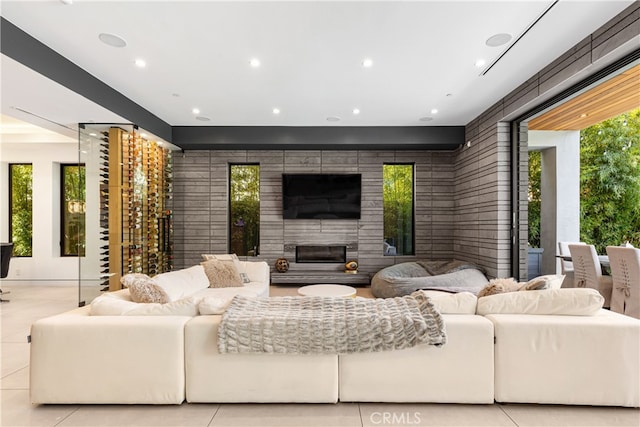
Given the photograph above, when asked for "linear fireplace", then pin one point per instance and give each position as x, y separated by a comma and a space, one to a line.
321, 253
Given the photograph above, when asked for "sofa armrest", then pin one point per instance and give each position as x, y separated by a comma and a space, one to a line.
77, 358
258, 271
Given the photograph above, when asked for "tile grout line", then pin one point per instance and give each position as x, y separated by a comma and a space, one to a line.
14, 372
508, 416
210, 424
65, 418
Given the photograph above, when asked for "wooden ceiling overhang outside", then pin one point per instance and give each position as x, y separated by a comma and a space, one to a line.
609, 99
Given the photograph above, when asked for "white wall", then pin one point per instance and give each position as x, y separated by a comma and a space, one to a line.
46, 264
560, 190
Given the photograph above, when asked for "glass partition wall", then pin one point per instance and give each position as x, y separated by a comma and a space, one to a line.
128, 191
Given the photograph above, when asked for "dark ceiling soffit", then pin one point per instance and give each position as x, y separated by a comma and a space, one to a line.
25, 49
318, 137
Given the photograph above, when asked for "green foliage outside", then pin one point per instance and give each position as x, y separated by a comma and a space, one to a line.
609, 184
21, 178
244, 191
397, 200
535, 158
73, 182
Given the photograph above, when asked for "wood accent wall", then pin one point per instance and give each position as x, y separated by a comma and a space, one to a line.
482, 216
201, 210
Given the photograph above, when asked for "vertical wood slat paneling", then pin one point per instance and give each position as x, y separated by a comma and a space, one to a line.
201, 210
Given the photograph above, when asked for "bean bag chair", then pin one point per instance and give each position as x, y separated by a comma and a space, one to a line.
407, 277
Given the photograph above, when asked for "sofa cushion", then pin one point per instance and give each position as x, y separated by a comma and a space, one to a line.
221, 273
566, 301
448, 303
230, 257
144, 289
120, 304
182, 283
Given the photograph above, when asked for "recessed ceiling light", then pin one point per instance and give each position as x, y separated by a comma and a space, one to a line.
112, 40
333, 119
356, 111
254, 62
426, 119
434, 111
276, 111
480, 63
93, 134
367, 63
498, 39
140, 63
196, 111
203, 119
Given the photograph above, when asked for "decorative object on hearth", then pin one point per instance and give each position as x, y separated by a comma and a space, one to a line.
351, 266
282, 265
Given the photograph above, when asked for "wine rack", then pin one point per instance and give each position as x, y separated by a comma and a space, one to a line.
135, 208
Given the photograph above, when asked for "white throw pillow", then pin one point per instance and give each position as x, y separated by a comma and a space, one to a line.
213, 305
453, 303
554, 281
566, 301
216, 300
182, 283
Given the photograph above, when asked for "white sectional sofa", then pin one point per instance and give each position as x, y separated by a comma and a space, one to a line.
554, 346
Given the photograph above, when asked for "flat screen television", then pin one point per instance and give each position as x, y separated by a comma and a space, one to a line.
321, 196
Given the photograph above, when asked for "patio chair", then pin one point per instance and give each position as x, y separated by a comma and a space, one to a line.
625, 270
587, 272
566, 266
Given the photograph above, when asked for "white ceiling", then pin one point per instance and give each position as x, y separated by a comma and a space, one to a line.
198, 53
16, 131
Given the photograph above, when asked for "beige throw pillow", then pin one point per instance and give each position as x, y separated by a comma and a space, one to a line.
144, 289
221, 274
236, 261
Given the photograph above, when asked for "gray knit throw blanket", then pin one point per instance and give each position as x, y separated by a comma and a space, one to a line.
324, 325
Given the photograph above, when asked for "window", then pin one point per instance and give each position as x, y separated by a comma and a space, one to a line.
73, 210
244, 209
21, 208
397, 202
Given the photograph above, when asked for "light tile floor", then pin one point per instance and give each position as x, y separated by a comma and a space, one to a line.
31, 302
